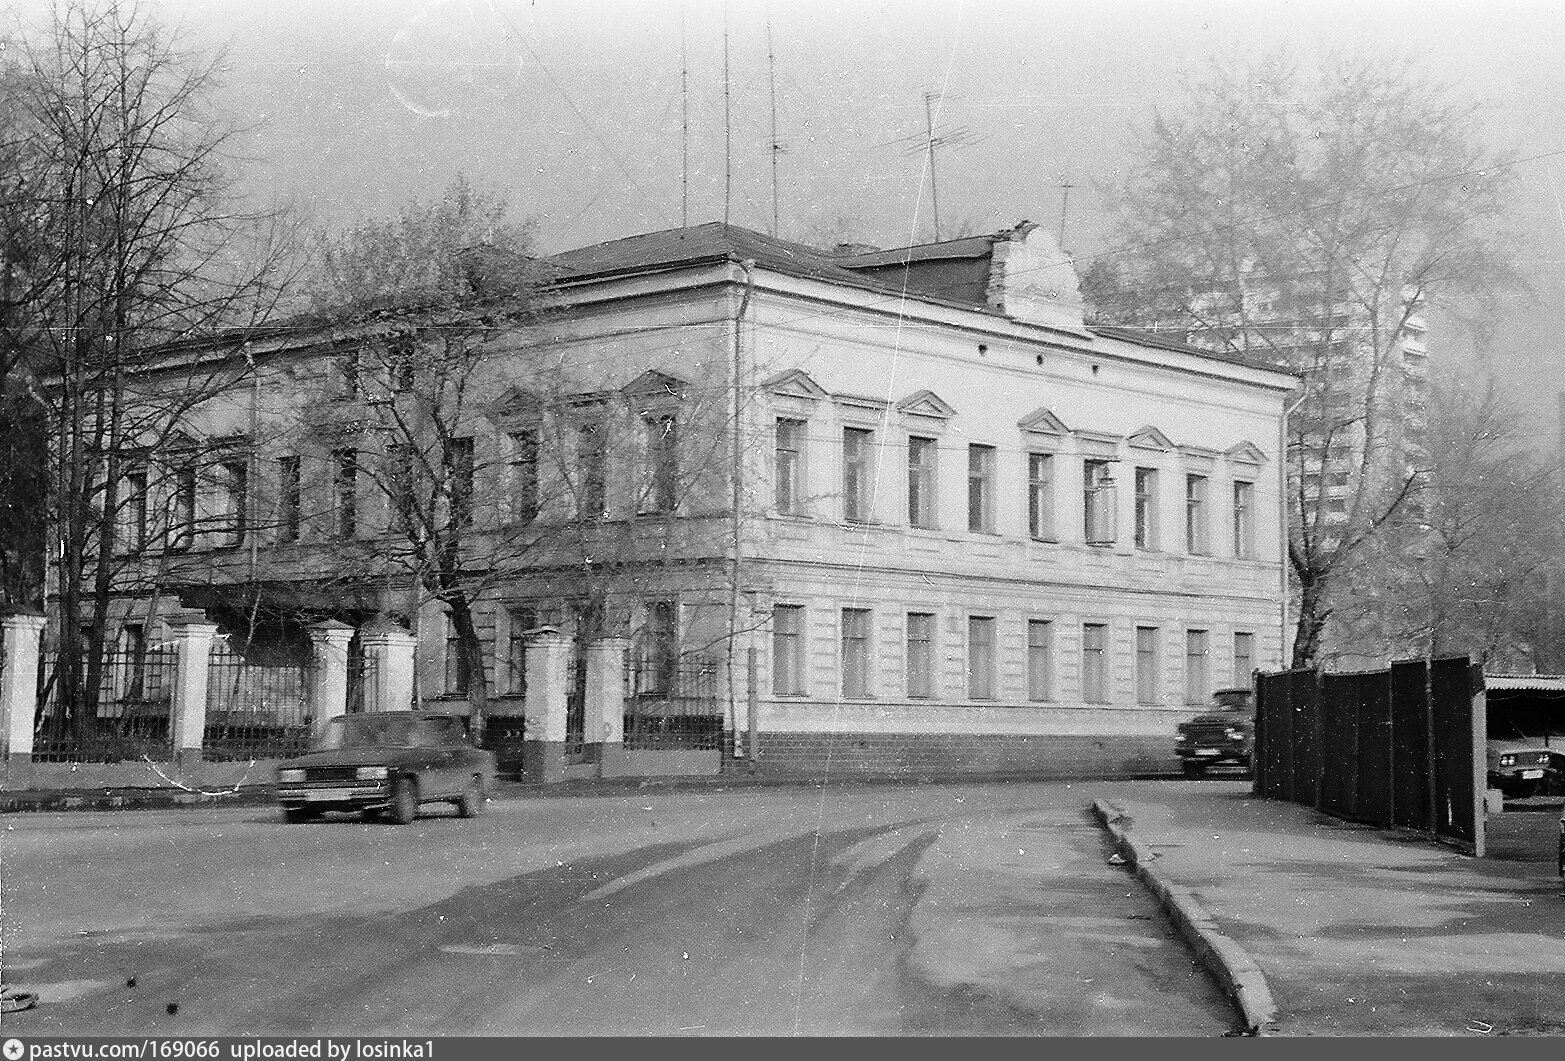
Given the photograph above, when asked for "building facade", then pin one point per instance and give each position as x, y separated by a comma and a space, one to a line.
954, 527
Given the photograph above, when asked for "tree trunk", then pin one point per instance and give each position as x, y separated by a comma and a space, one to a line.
1311, 621
473, 649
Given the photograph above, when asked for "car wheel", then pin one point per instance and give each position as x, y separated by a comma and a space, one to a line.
404, 800
1194, 769
294, 815
471, 802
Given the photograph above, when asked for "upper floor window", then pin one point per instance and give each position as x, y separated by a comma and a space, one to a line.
524, 474
133, 510
980, 488
788, 483
288, 489
920, 481
345, 375
1197, 539
1146, 508
857, 471
1244, 519
182, 520
232, 490
345, 487
461, 457
660, 491
592, 460
1098, 502
400, 367
399, 486
1040, 495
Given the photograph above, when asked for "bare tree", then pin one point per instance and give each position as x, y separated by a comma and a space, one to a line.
1311, 220
138, 242
1471, 556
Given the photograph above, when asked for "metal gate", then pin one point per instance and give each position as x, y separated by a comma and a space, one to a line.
672, 703
255, 710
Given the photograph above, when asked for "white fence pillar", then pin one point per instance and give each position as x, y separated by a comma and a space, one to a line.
19, 683
388, 662
192, 656
328, 671
548, 688
606, 690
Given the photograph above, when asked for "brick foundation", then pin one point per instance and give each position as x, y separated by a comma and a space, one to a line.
978, 755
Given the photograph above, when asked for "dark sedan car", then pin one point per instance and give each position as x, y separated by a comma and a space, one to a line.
1223, 736
387, 763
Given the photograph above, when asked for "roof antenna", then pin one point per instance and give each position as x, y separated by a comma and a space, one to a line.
684, 95
1065, 198
929, 137
728, 128
778, 148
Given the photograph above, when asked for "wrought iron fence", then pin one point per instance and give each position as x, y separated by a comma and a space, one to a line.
255, 710
672, 703
128, 720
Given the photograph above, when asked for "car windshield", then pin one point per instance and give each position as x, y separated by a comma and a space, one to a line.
1232, 700
367, 731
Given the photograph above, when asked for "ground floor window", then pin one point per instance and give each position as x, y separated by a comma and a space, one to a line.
920, 654
788, 650
1094, 663
1146, 664
1040, 659
855, 652
1244, 658
980, 657
1197, 683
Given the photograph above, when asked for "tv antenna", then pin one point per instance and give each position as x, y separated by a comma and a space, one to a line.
684, 124
958, 137
778, 147
1065, 198
728, 128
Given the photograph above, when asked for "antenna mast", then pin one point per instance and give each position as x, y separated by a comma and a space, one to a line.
684, 96
777, 148
728, 128
929, 138
1065, 198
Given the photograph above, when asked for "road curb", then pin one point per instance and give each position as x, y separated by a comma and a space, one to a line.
1230, 963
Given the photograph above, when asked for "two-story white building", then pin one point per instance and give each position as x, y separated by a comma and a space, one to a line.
960, 528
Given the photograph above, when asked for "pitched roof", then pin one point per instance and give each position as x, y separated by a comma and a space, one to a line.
713, 241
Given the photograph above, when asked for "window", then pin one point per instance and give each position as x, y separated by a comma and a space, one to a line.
524, 474
1040, 495
288, 499
659, 491
456, 661
1244, 520
133, 511
400, 366
980, 657
345, 485
1097, 481
519, 620
1146, 508
1040, 659
788, 486
399, 461
345, 375
1197, 684
857, 454
920, 481
788, 650
182, 522
1146, 664
232, 496
980, 488
461, 457
591, 470
1094, 663
920, 654
855, 652
1244, 657
1196, 541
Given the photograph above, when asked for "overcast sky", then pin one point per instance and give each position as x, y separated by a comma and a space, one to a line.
575, 108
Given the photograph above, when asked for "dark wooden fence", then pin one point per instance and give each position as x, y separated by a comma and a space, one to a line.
1397, 747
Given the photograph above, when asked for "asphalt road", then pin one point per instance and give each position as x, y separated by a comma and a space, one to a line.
864, 910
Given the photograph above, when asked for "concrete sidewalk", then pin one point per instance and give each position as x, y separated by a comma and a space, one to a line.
1359, 931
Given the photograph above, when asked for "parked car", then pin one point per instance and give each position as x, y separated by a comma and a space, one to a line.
387, 763
1518, 762
1223, 736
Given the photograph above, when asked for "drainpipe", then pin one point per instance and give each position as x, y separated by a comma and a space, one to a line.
1282, 531
736, 473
